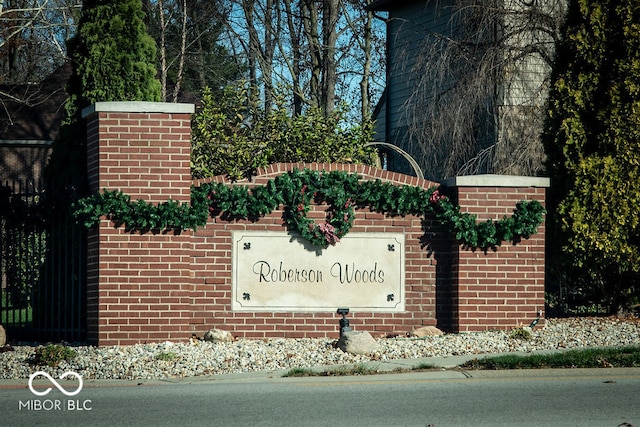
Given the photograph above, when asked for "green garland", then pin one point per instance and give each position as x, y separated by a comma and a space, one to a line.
296, 191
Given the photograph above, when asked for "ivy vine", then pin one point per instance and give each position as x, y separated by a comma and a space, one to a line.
341, 192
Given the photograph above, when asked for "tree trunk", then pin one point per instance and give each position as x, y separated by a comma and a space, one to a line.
329, 38
163, 52
310, 25
366, 72
296, 63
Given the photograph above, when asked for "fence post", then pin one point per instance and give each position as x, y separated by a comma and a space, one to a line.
138, 284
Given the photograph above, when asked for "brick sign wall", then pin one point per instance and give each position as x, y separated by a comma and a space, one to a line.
156, 287
213, 275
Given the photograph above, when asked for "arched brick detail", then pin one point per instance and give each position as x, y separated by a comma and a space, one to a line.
262, 175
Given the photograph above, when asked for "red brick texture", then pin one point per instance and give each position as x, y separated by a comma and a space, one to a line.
498, 289
157, 287
139, 286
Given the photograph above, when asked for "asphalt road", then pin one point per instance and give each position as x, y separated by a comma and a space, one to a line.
609, 397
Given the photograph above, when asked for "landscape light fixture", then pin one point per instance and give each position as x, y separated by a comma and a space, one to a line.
535, 322
344, 322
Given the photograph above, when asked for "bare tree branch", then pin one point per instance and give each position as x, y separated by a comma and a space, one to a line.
477, 105
314, 49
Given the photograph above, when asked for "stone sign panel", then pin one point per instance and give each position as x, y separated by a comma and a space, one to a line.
278, 271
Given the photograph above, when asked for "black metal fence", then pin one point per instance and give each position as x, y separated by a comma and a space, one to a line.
42, 266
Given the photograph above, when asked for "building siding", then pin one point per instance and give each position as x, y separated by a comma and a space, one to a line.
510, 120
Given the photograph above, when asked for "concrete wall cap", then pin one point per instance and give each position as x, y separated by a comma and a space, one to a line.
138, 107
489, 180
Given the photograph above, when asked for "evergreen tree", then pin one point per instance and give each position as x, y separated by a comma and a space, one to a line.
113, 59
592, 139
113, 56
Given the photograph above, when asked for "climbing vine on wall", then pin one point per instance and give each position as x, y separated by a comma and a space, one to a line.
296, 191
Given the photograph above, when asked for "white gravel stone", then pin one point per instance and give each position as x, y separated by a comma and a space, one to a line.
197, 358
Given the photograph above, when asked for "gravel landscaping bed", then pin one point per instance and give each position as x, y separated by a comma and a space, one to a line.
196, 357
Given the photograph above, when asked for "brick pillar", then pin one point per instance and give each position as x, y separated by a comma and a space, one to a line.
504, 288
138, 285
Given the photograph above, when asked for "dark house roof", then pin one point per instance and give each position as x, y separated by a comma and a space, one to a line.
33, 112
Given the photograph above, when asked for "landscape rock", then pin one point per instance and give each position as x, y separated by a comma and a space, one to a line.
357, 342
426, 331
3, 336
218, 335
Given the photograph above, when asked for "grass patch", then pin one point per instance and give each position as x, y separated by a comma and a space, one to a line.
425, 367
16, 316
166, 356
360, 369
612, 357
300, 372
615, 357
10, 316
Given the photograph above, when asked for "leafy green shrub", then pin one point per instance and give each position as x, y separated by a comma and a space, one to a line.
53, 354
232, 135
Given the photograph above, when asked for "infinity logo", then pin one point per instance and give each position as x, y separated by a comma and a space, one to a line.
55, 383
